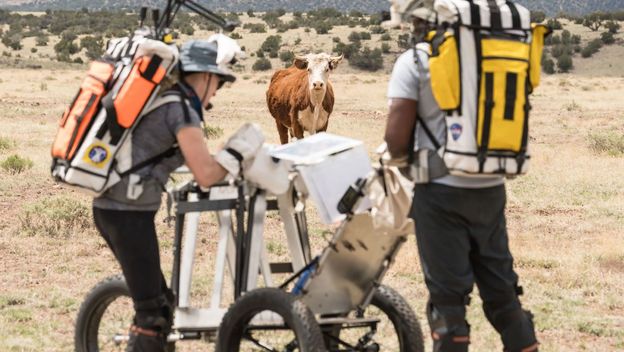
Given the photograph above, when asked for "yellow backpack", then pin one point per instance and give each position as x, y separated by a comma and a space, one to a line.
485, 61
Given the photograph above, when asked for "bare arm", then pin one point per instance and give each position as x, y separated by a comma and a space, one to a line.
400, 127
206, 170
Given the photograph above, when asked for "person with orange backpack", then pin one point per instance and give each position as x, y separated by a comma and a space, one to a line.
167, 137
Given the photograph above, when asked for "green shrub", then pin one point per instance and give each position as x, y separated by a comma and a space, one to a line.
564, 63
365, 35
367, 59
554, 24
347, 49
12, 40
322, 27
611, 143
273, 54
262, 64
15, 164
385, 48
354, 37
271, 43
587, 52
58, 216
336, 39
255, 27
548, 65
6, 143
607, 38
42, 40
94, 46
538, 16
576, 39
566, 37
377, 30
287, 56
385, 37
552, 40
260, 53
212, 132
591, 48
613, 26
236, 35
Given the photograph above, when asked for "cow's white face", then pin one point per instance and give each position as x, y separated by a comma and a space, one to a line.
318, 66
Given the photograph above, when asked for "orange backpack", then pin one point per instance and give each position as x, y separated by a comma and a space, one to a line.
88, 150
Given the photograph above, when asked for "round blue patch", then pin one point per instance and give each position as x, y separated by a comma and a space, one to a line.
98, 154
456, 131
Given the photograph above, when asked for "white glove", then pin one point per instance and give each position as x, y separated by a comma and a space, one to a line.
240, 149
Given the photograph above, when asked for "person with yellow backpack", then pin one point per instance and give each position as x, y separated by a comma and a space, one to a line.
458, 120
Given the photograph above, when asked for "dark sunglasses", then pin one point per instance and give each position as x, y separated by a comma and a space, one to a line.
221, 83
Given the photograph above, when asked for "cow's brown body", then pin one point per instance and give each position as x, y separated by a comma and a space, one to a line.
289, 95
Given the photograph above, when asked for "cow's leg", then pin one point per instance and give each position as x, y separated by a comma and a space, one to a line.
297, 130
283, 132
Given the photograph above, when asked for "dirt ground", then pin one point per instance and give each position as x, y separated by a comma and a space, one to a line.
566, 217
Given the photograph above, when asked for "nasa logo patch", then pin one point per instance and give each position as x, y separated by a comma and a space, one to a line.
97, 155
456, 131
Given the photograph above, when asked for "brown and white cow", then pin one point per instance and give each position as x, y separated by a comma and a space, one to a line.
300, 97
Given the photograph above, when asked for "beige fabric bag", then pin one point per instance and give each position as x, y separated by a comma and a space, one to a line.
391, 199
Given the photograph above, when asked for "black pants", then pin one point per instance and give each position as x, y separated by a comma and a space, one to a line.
131, 235
462, 240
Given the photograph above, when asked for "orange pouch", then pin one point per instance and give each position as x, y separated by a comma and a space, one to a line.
146, 74
80, 113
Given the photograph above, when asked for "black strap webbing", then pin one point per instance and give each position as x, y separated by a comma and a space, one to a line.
487, 119
511, 94
235, 154
521, 159
111, 125
428, 132
515, 15
179, 90
495, 15
152, 67
153, 160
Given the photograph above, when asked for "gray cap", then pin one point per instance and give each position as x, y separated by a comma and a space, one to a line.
201, 56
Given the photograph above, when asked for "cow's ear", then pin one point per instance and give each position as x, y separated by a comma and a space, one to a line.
334, 61
301, 64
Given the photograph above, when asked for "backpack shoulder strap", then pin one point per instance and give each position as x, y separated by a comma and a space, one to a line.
172, 96
162, 100
422, 71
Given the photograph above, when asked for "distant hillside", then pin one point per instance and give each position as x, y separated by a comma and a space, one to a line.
552, 7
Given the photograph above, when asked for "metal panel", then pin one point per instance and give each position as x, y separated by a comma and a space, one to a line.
350, 267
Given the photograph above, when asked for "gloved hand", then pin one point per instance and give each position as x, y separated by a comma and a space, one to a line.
240, 149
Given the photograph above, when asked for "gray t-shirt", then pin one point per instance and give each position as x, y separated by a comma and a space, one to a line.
408, 81
155, 134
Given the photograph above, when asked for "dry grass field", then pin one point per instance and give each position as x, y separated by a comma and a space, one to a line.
566, 218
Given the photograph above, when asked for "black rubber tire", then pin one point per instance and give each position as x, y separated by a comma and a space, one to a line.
402, 316
92, 309
296, 315
398, 311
